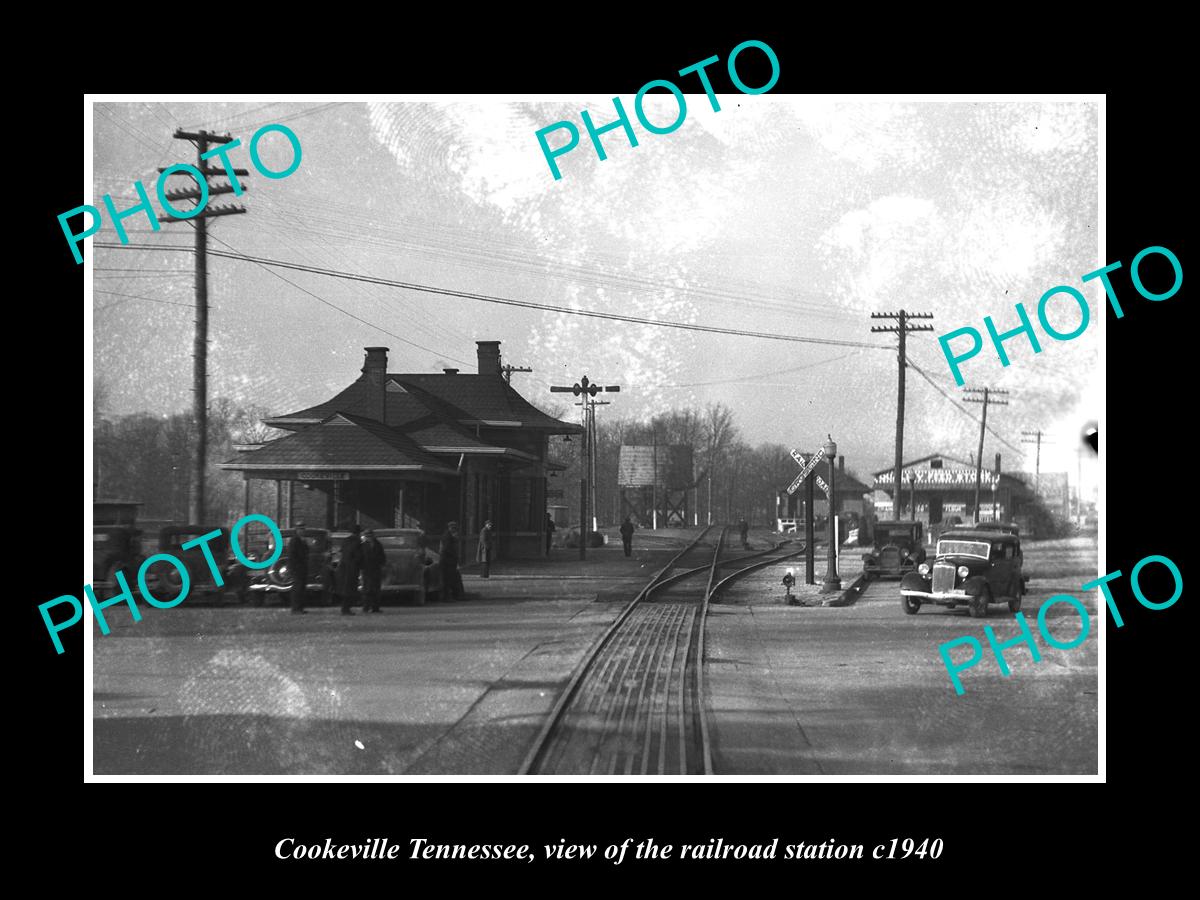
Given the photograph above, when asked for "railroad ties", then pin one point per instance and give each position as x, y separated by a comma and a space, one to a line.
635, 705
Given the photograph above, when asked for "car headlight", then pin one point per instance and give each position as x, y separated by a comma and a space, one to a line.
963, 571
923, 568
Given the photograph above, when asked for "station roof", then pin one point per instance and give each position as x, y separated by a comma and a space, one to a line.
458, 400
342, 441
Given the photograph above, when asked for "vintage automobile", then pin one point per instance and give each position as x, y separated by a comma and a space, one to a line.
972, 567
898, 549
115, 548
571, 538
409, 567
278, 578
1002, 527
164, 580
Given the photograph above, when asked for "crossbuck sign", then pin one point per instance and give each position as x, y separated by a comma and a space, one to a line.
805, 468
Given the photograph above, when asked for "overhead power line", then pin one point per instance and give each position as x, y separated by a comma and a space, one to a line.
937, 387
345, 312
504, 301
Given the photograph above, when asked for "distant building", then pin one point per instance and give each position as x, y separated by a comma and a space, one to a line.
944, 487
415, 450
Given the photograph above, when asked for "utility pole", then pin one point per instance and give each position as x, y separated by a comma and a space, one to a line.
508, 370
591, 429
902, 328
654, 476
202, 139
987, 397
580, 388
1035, 437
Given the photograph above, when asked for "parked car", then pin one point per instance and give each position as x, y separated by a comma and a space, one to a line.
1002, 527
595, 538
972, 567
409, 566
278, 579
115, 548
899, 549
164, 580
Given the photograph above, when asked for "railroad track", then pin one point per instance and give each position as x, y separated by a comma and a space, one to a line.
635, 703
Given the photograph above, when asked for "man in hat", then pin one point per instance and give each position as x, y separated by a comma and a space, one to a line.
373, 560
627, 535
452, 586
297, 552
348, 568
487, 541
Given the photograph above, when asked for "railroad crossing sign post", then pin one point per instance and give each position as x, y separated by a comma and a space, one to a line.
806, 468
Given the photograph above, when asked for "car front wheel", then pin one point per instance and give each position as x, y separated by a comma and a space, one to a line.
911, 605
979, 603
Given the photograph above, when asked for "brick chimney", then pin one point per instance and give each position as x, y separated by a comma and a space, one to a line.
374, 373
489, 357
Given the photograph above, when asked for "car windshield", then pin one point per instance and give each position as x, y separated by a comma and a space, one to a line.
964, 548
897, 537
399, 541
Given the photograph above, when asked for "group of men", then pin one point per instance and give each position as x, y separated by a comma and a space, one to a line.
361, 554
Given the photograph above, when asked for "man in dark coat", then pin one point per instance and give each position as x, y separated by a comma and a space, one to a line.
297, 551
452, 586
550, 528
373, 560
486, 547
744, 532
348, 568
627, 535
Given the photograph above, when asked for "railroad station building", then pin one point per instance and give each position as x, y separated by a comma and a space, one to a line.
415, 451
944, 486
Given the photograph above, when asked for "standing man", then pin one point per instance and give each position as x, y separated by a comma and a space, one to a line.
550, 528
348, 568
452, 586
744, 531
373, 560
297, 551
627, 535
487, 542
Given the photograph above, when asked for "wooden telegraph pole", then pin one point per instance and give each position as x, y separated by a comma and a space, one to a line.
202, 139
902, 328
590, 412
1036, 437
984, 396
580, 388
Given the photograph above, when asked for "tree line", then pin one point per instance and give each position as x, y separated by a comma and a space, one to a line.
741, 479
146, 457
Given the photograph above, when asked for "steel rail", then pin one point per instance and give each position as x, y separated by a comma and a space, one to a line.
556, 712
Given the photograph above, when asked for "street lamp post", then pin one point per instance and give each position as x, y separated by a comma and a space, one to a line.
832, 581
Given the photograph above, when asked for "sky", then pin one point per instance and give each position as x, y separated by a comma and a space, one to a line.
777, 214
